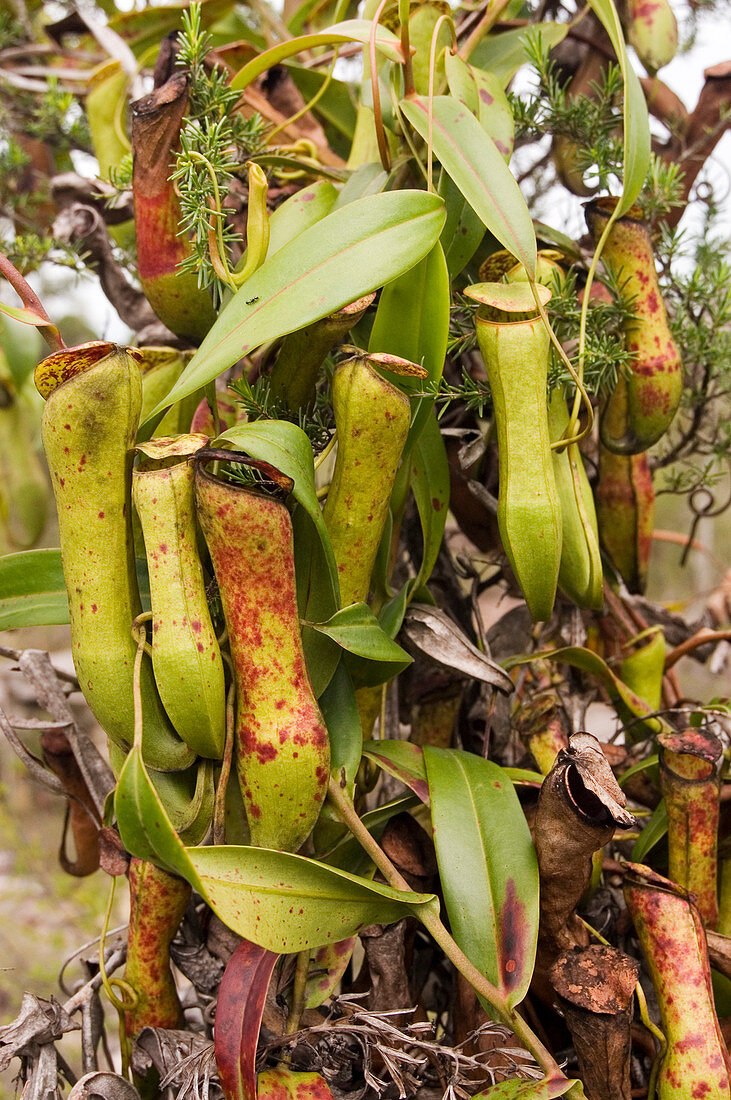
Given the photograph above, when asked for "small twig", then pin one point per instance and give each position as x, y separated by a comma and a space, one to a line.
31, 301
16, 654
702, 637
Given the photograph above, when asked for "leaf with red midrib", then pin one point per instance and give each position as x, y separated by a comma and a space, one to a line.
239, 1010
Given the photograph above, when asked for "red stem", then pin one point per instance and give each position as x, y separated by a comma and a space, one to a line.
30, 300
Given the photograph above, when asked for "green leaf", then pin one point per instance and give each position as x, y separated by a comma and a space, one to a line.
504, 53
475, 164
316, 600
287, 903
369, 179
301, 210
32, 590
643, 765
28, 316
352, 30
349, 253
524, 777
340, 710
403, 760
636, 119
422, 295
652, 834
143, 823
282, 902
463, 230
487, 866
430, 485
335, 105
357, 630
520, 1089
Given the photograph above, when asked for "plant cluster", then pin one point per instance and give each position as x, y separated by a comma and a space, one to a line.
348, 786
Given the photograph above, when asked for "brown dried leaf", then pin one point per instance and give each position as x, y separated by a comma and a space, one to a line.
38, 1023
432, 632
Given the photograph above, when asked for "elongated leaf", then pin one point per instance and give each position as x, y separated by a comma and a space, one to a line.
430, 485
301, 210
523, 777
643, 765
288, 903
487, 866
652, 834
463, 230
475, 164
520, 1089
357, 630
335, 105
32, 590
286, 446
239, 1009
340, 710
28, 316
504, 53
282, 902
403, 760
352, 30
422, 296
349, 253
636, 119
316, 599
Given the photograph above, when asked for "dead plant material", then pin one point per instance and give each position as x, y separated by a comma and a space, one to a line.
411, 849
579, 808
81, 813
719, 952
595, 987
704, 128
354, 1046
430, 631
103, 1085
690, 782
81, 224
386, 951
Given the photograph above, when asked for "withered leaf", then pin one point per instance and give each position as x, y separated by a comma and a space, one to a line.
38, 1023
103, 1085
590, 783
432, 632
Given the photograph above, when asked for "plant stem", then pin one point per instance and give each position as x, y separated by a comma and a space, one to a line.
31, 301
431, 921
489, 19
299, 991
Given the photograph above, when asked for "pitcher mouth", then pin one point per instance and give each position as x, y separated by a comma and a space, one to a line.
58, 368
276, 484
